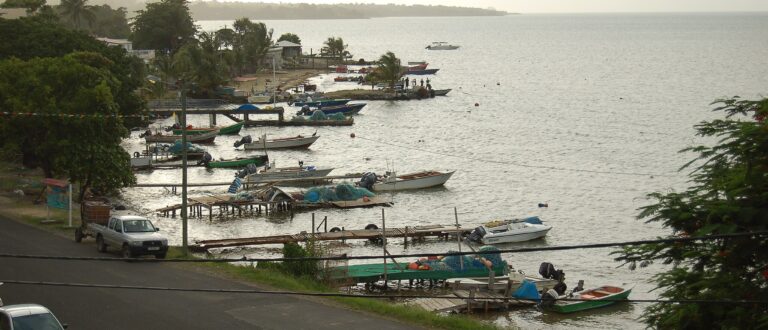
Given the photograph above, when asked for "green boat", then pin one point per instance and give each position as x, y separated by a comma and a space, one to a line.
239, 162
589, 299
233, 129
479, 265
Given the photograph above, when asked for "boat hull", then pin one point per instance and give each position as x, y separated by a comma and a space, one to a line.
577, 306
233, 129
418, 183
422, 72
207, 137
289, 143
243, 162
441, 92
321, 103
532, 233
346, 109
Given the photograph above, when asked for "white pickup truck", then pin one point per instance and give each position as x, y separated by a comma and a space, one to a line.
133, 235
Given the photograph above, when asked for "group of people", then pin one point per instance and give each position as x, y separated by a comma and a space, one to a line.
405, 82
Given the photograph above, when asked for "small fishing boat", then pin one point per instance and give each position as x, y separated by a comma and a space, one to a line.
259, 160
421, 72
416, 62
233, 129
206, 137
593, 298
441, 45
392, 182
345, 109
320, 103
294, 142
509, 231
441, 92
277, 173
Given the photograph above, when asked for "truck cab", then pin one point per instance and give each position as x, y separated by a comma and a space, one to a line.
133, 235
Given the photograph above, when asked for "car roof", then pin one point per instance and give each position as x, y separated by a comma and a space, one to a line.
24, 309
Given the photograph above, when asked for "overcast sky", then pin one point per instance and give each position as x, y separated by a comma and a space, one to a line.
574, 6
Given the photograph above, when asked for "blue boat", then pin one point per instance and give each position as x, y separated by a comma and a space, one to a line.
321, 103
346, 109
421, 72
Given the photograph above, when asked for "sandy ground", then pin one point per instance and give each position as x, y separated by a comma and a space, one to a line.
265, 82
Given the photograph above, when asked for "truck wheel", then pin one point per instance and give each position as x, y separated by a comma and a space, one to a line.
78, 235
160, 255
100, 246
127, 252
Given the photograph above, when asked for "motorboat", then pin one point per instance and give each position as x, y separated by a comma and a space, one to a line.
441, 45
295, 172
293, 142
418, 180
509, 231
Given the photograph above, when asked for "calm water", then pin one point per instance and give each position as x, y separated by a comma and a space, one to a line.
585, 112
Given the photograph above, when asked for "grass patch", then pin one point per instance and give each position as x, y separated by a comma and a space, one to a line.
278, 279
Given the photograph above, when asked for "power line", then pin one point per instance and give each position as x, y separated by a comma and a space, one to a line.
346, 295
506, 162
340, 258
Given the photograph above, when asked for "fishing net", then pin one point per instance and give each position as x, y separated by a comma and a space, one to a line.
337, 116
176, 148
318, 115
340, 192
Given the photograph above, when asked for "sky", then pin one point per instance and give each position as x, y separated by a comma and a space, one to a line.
574, 6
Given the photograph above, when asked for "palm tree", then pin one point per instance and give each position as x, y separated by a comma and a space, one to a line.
389, 69
77, 10
202, 63
336, 47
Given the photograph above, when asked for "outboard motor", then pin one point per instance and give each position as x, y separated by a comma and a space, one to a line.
367, 180
548, 271
477, 235
207, 158
249, 169
305, 110
246, 139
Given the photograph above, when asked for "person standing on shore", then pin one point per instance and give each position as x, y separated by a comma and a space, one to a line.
422, 82
406, 83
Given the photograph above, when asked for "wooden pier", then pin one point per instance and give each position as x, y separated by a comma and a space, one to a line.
418, 233
226, 207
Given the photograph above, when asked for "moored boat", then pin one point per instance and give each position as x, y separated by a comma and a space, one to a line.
206, 137
509, 231
587, 299
294, 142
441, 45
346, 109
233, 129
259, 160
277, 173
418, 180
320, 103
441, 92
421, 72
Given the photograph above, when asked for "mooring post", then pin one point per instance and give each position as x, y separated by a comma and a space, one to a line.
458, 236
384, 245
405, 237
313, 224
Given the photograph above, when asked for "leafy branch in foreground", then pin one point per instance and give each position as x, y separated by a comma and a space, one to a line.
729, 194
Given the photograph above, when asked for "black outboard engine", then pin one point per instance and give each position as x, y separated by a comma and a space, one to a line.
305, 110
477, 235
548, 271
207, 158
367, 181
244, 140
249, 169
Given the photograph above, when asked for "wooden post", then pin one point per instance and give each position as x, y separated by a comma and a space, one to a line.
384, 245
405, 237
313, 224
458, 236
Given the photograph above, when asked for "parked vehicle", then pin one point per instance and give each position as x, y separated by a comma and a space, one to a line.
133, 235
28, 316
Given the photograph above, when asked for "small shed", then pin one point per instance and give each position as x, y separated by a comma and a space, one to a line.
288, 49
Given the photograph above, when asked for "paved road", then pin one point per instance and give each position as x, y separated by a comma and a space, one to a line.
91, 308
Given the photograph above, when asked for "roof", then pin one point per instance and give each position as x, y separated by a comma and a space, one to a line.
130, 217
285, 44
114, 41
13, 13
24, 309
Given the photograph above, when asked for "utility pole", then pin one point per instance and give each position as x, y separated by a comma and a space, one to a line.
184, 168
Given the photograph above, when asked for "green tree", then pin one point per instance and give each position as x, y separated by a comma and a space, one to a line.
202, 64
336, 48
729, 194
252, 42
389, 69
76, 11
165, 25
290, 37
79, 138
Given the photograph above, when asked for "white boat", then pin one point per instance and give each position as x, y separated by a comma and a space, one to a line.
510, 231
278, 173
419, 180
294, 142
441, 45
